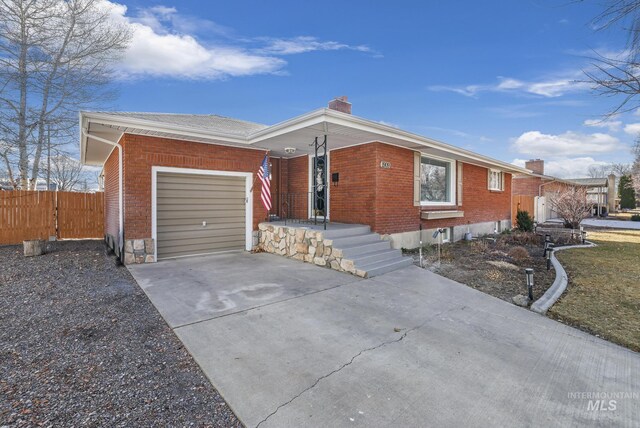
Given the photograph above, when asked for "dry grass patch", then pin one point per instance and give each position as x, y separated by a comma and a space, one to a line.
603, 296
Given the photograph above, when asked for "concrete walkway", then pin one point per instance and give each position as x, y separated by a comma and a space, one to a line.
408, 348
613, 224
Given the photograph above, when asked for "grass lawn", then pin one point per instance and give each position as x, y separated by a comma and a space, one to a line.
603, 296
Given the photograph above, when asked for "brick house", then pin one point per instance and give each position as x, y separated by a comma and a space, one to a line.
179, 185
601, 192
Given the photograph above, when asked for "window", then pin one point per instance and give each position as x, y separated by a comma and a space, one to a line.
436, 182
496, 180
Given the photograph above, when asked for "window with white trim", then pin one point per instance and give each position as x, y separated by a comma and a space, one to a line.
437, 178
496, 180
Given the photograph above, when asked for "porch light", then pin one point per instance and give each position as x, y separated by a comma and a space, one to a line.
289, 150
549, 251
529, 276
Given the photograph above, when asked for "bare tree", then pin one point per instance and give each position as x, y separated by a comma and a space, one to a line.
570, 202
619, 169
598, 171
619, 75
66, 172
55, 58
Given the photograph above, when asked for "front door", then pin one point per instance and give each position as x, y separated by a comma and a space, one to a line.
319, 191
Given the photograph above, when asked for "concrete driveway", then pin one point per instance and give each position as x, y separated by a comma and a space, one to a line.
290, 344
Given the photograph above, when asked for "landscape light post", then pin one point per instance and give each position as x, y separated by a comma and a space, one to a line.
549, 253
529, 276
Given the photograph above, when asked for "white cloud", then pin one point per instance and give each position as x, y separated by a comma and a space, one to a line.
632, 129
611, 125
166, 43
302, 44
567, 167
570, 143
548, 88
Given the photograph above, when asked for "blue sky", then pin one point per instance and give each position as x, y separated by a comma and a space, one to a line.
502, 78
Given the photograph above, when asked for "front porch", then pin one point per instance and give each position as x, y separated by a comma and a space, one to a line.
350, 248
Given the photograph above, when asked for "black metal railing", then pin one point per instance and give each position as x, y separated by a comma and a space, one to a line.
303, 207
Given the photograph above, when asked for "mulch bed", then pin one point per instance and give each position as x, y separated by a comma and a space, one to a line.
488, 266
83, 346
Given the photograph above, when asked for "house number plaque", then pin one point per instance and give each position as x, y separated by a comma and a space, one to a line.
385, 164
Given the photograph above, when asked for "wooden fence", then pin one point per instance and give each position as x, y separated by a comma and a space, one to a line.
522, 203
26, 214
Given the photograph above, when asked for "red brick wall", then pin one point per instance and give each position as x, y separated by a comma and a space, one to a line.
143, 152
353, 199
298, 185
395, 211
527, 186
383, 198
111, 187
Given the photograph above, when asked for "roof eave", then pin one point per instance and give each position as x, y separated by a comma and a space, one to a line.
332, 116
115, 120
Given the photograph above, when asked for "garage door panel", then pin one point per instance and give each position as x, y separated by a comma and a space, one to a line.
192, 250
209, 194
203, 205
211, 246
184, 201
169, 177
194, 233
197, 216
203, 186
169, 228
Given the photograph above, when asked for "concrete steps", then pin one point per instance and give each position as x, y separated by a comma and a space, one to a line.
369, 253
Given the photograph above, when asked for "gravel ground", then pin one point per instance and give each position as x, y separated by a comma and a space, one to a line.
83, 346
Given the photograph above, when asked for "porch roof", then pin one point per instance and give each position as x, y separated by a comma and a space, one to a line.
342, 130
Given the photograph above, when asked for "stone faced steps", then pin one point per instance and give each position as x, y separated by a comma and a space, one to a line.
376, 256
352, 251
346, 231
378, 268
350, 241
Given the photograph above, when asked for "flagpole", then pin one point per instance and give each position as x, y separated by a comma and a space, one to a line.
256, 177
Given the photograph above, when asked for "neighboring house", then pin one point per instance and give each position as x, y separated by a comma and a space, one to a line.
186, 184
601, 192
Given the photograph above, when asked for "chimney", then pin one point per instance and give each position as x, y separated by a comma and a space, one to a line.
340, 104
611, 193
535, 165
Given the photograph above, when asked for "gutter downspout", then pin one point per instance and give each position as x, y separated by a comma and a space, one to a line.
120, 209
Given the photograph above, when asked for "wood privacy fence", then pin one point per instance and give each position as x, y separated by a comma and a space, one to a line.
522, 203
27, 214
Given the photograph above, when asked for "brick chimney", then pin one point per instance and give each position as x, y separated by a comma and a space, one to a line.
535, 165
340, 104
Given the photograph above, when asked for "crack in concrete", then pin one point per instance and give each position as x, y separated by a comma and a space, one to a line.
388, 342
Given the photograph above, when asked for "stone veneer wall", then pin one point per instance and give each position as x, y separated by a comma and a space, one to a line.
306, 245
137, 251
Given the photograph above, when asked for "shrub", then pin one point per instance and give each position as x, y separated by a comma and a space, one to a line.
635, 217
518, 254
520, 238
626, 192
524, 221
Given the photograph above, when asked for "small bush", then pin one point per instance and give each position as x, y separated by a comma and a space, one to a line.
635, 217
524, 221
521, 238
519, 254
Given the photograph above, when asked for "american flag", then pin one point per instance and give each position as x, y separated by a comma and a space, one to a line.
265, 178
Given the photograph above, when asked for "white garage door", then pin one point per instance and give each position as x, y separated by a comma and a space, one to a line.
199, 214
